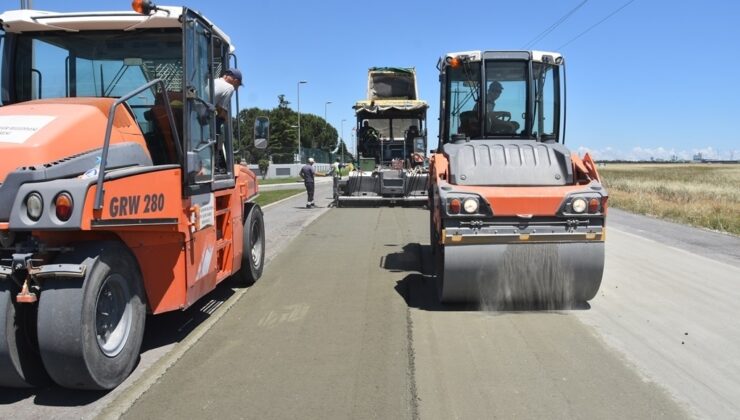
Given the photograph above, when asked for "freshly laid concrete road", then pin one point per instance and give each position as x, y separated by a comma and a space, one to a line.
344, 324
167, 336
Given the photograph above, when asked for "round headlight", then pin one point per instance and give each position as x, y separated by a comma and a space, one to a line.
470, 205
34, 206
579, 205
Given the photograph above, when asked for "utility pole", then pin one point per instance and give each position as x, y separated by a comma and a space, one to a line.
341, 141
299, 118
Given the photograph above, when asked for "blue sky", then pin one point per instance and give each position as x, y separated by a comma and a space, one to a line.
656, 79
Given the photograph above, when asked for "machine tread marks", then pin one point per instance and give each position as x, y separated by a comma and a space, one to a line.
20, 363
90, 330
253, 250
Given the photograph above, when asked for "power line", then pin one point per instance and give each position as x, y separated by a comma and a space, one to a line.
595, 24
553, 26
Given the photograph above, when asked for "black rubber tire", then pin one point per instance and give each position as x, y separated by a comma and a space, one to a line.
74, 313
432, 234
439, 269
253, 250
20, 362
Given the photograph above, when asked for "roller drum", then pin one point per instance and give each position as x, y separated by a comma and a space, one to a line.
501, 274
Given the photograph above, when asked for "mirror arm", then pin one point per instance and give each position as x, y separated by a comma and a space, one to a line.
207, 144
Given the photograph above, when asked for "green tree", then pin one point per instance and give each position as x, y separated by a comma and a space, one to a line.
283, 143
317, 133
263, 164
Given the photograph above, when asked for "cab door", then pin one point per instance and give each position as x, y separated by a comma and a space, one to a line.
200, 143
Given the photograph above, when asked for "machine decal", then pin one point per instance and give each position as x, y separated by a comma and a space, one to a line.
153, 203
18, 128
205, 263
133, 204
205, 202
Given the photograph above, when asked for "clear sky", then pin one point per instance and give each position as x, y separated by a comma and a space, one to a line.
655, 79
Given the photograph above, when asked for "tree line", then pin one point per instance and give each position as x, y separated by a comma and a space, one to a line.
316, 132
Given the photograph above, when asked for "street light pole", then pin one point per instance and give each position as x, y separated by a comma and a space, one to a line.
341, 149
299, 117
325, 122
325, 105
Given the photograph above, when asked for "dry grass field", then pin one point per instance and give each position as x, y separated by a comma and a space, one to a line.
703, 195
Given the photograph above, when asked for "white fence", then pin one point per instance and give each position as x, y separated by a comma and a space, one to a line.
287, 170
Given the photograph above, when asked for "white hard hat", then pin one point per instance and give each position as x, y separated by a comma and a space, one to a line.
310, 160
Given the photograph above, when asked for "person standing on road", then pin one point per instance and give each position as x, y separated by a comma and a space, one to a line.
308, 172
335, 172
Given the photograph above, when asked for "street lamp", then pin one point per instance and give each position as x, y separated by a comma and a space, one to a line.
325, 105
325, 122
299, 117
341, 150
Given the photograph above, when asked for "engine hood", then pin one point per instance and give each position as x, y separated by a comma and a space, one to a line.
41, 131
508, 162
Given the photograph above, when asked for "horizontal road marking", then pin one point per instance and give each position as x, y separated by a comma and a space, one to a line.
290, 313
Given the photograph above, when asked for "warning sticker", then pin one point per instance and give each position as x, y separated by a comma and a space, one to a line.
18, 128
206, 203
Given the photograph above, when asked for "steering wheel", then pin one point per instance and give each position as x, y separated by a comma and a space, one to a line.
502, 115
499, 122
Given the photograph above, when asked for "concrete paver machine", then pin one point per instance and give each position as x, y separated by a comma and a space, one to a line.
391, 142
119, 195
515, 217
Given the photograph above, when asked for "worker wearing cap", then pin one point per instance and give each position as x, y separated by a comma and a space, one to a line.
498, 122
494, 91
307, 173
223, 88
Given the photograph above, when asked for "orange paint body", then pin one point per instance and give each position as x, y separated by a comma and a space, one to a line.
145, 210
520, 201
81, 122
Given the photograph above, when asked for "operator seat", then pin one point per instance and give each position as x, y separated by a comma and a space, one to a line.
469, 124
159, 116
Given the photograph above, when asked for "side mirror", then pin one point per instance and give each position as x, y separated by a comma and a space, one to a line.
261, 132
419, 145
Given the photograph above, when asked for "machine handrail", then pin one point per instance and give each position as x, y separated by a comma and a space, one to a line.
109, 128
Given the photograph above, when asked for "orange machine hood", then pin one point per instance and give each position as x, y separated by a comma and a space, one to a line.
47, 130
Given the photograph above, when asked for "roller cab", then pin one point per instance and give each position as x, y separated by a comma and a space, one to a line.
515, 216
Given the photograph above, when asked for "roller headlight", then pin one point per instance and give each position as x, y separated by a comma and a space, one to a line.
470, 205
34, 206
579, 205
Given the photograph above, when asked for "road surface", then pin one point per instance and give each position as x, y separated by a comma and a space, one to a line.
169, 335
345, 325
